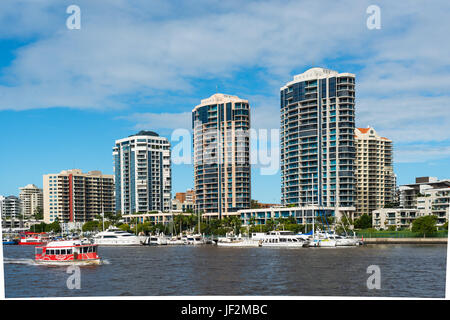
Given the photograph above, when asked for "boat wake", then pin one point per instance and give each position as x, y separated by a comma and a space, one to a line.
29, 262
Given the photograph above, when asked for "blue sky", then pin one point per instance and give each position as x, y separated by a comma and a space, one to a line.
67, 95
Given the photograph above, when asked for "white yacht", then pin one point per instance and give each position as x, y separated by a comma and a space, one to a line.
343, 241
280, 239
239, 241
322, 239
175, 240
116, 237
193, 239
154, 240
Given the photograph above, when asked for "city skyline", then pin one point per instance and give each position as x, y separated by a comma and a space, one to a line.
57, 113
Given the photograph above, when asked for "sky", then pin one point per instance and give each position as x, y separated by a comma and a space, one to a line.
67, 94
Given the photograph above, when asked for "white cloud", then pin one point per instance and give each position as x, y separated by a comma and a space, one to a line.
421, 153
119, 52
133, 53
160, 121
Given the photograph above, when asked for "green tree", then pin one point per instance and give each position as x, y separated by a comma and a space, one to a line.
270, 223
38, 213
90, 226
254, 204
54, 226
41, 227
364, 222
344, 225
425, 225
124, 227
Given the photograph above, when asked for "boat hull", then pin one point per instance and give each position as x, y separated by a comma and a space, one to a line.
117, 244
9, 243
284, 245
241, 244
327, 244
31, 243
69, 262
347, 242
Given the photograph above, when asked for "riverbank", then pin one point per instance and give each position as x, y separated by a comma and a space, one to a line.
405, 240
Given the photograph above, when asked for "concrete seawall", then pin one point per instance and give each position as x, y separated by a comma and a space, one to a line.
405, 240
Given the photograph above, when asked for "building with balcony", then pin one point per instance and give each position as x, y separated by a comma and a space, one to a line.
10, 207
184, 201
32, 198
74, 196
317, 140
409, 193
143, 175
399, 218
375, 179
435, 202
302, 215
221, 142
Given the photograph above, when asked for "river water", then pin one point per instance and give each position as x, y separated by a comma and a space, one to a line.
405, 271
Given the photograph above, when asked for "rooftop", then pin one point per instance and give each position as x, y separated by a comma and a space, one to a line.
145, 133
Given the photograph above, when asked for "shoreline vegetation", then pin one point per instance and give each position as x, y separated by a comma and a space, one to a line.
422, 229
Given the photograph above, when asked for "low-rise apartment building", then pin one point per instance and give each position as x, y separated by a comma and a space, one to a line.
435, 202
400, 218
302, 215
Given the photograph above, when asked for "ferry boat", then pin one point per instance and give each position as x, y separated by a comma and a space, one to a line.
116, 237
33, 239
280, 239
67, 252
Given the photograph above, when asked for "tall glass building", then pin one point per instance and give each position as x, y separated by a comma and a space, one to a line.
221, 141
317, 140
142, 170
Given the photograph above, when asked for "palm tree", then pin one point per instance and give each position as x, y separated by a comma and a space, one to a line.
270, 224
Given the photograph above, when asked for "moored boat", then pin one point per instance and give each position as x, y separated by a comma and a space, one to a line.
33, 239
7, 241
194, 239
67, 252
237, 241
280, 239
116, 237
154, 240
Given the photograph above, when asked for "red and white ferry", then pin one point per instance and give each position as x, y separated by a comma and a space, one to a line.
33, 239
67, 252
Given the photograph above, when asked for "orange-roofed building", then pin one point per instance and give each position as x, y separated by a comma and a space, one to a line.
375, 179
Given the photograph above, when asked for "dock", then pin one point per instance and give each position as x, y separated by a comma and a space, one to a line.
405, 240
